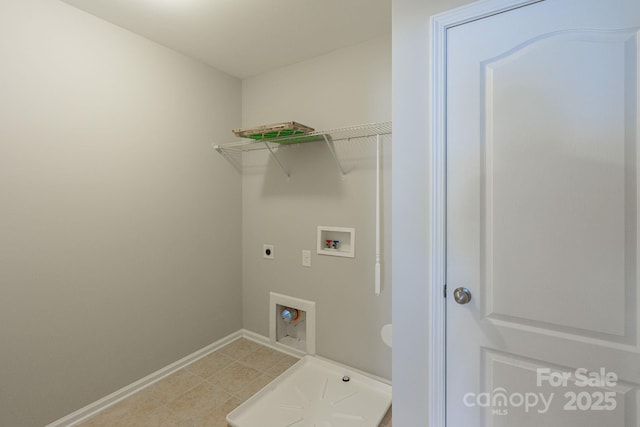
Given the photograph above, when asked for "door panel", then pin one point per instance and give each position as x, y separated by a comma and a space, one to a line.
555, 200
548, 407
542, 135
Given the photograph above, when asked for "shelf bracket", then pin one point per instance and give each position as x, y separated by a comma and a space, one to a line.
237, 165
332, 150
273, 154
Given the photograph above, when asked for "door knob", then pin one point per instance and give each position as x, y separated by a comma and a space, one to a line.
462, 295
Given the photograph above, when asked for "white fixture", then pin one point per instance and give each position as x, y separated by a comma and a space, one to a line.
377, 264
387, 334
292, 324
336, 241
268, 251
306, 258
316, 392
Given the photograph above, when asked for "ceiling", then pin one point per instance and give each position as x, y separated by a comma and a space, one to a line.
248, 37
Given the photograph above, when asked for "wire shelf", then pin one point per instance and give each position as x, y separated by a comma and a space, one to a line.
328, 136
339, 134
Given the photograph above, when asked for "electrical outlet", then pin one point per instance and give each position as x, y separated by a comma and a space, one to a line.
306, 258
268, 251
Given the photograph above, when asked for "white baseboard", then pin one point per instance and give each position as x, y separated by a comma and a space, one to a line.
91, 409
274, 345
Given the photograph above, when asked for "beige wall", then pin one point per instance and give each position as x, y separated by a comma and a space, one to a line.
411, 210
120, 226
348, 87
120, 247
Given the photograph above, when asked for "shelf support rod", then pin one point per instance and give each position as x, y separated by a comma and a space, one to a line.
273, 154
377, 277
332, 150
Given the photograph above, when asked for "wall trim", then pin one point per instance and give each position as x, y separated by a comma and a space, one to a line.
266, 341
440, 24
91, 409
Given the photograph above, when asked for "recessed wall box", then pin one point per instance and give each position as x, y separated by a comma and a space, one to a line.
292, 324
336, 241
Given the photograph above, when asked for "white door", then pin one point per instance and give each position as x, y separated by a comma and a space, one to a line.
542, 216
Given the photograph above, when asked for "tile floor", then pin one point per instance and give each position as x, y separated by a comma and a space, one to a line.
202, 393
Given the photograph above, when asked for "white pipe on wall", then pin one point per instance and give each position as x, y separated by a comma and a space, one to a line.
377, 266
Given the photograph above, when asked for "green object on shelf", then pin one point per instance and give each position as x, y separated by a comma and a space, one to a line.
294, 139
275, 134
285, 137
281, 133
